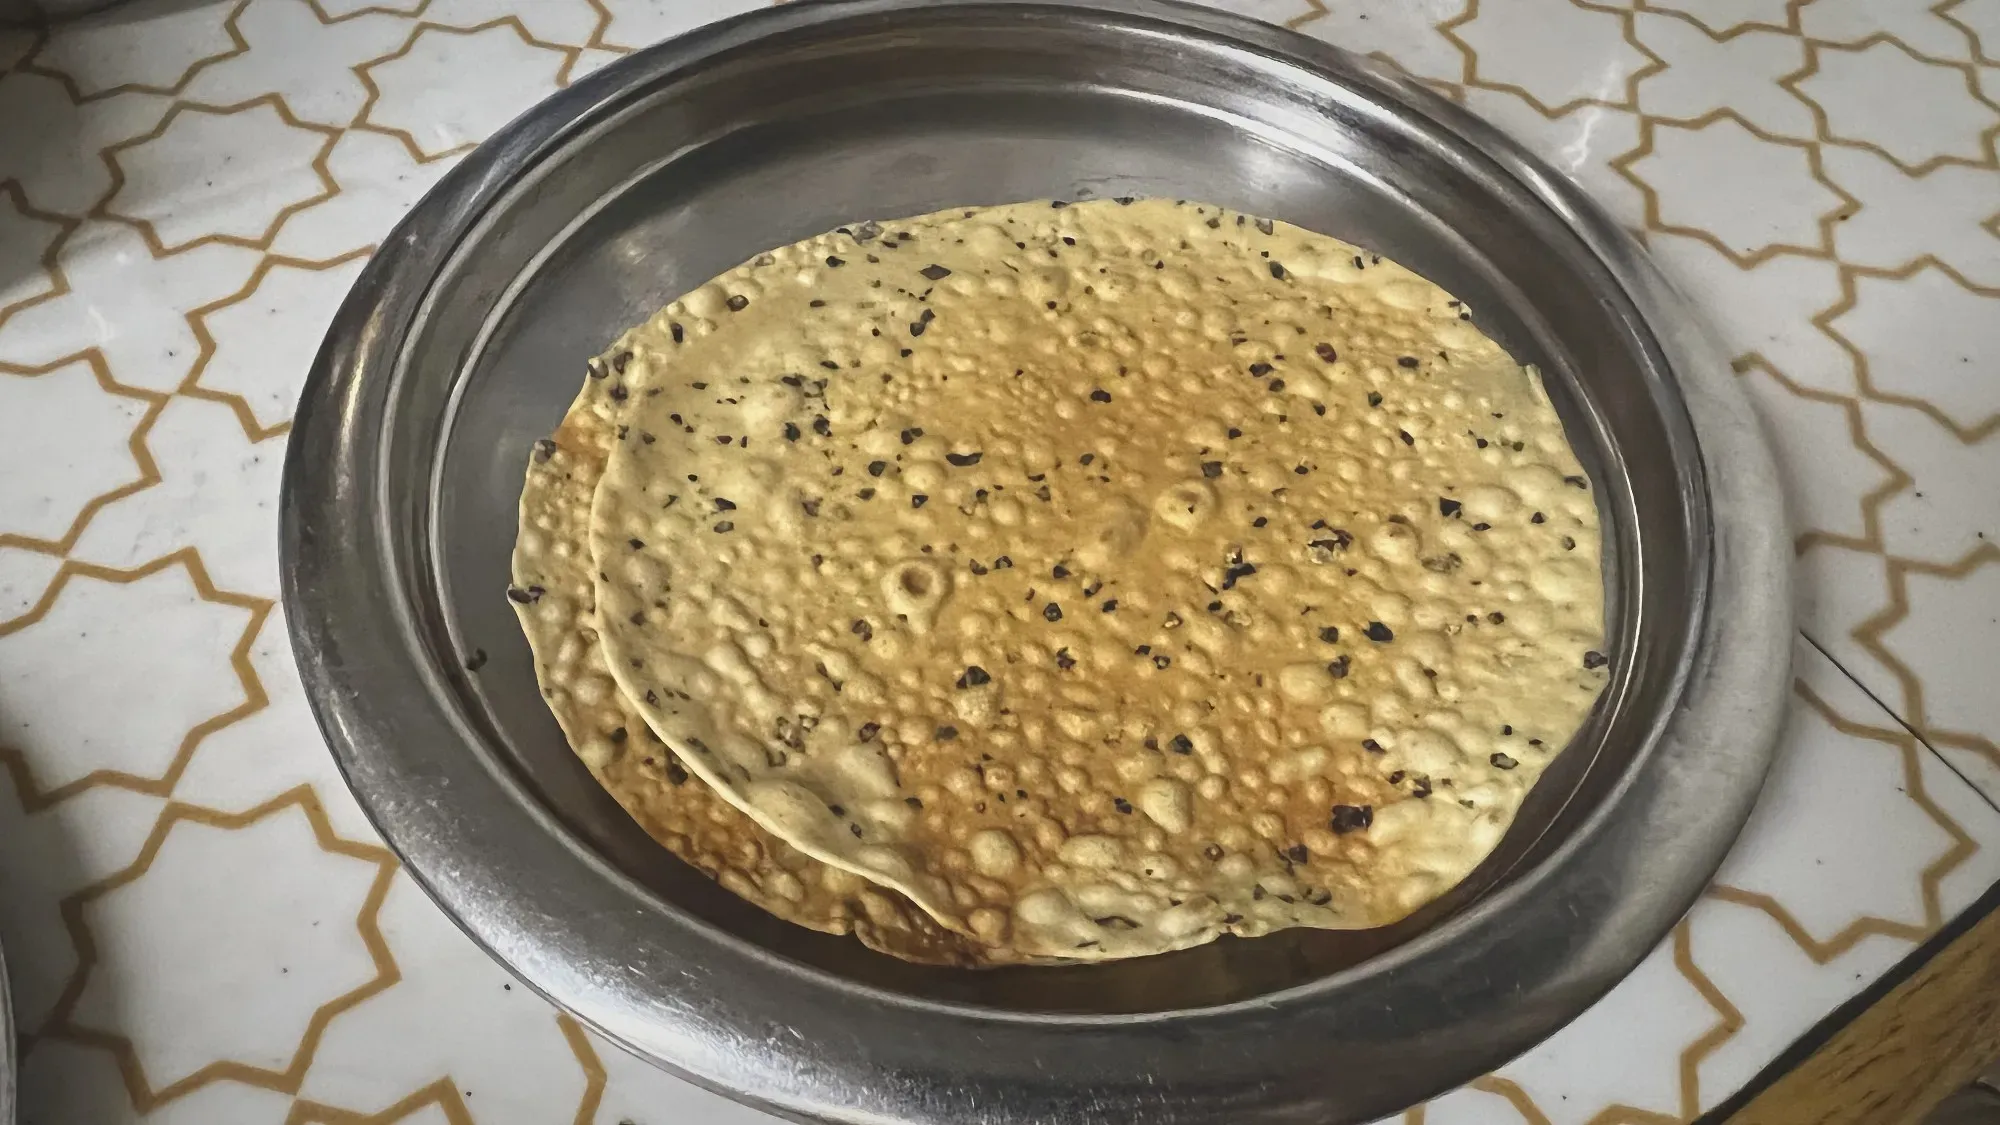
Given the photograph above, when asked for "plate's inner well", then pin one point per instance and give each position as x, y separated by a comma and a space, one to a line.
542, 290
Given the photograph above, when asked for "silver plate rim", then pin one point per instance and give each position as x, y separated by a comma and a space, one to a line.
1697, 788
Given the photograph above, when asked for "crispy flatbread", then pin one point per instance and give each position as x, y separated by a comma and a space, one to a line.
553, 598
1104, 577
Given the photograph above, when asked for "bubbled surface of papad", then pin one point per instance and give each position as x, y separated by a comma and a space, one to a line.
552, 595
1107, 576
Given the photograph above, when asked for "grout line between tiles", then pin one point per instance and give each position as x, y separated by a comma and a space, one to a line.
1901, 722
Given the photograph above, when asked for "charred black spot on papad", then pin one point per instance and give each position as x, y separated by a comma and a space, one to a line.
1350, 818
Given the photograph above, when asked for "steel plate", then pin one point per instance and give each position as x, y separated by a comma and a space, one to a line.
464, 340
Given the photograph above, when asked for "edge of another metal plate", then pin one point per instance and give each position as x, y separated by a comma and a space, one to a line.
8, 1062
758, 1028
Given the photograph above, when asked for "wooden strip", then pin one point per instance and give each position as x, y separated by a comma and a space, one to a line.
1928, 1037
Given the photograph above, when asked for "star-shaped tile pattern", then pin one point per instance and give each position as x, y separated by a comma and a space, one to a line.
1825, 922
153, 46
1405, 35
1822, 434
87, 696
1589, 1066
1580, 143
72, 1082
340, 11
41, 124
255, 163
1766, 975
51, 854
27, 235
1748, 193
1941, 627
460, 1016
1958, 123
1824, 763
1558, 54
1916, 24
252, 762
203, 454
1706, 73
1766, 310
437, 1102
379, 177
1836, 590
1979, 19
1953, 508
505, 72
258, 344
1945, 214
74, 466
1486, 1101
107, 265
209, 894
298, 55
560, 23
1724, 17
1935, 370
